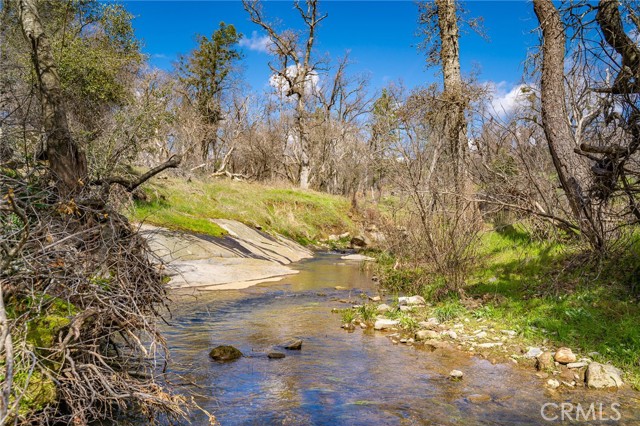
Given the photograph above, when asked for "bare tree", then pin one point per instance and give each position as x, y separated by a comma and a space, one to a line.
296, 69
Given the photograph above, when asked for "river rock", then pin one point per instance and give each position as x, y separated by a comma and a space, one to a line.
481, 334
426, 334
533, 353
383, 308
489, 345
575, 365
275, 355
564, 356
385, 324
544, 361
294, 345
360, 241
456, 374
479, 398
340, 287
430, 324
510, 333
411, 301
349, 326
553, 383
374, 298
358, 257
602, 376
225, 353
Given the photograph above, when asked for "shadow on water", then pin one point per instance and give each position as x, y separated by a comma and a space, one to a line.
338, 378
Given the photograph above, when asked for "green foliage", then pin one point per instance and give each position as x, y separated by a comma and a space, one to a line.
93, 60
449, 310
367, 312
408, 322
304, 216
348, 316
205, 72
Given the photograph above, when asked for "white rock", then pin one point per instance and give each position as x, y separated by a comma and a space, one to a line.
404, 308
411, 300
510, 333
383, 308
456, 374
481, 334
533, 352
553, 383
489, 345
577, 364
451, 334
426, 334
358, 257
385, 324
602, 376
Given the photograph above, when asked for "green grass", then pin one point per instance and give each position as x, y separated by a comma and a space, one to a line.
305, 216
549, 291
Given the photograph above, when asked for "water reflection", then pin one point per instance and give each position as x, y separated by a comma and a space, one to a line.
339, 378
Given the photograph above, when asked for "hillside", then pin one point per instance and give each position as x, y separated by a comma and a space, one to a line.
190, 205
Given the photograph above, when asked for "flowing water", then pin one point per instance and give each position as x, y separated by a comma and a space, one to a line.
341, 378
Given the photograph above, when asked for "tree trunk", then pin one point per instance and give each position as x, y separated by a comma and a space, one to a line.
572, 171
67, 162
305, 166
455, 125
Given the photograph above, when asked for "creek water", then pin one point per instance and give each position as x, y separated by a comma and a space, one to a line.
341, 378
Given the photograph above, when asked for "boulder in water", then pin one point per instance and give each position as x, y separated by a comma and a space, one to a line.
294, 345
225, 353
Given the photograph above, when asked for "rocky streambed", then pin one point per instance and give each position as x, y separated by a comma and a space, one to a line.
438, 373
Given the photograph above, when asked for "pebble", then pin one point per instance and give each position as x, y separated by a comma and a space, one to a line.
577, 364
553, 383
490, 345
456, 374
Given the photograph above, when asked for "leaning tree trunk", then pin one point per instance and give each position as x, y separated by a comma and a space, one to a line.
572, 172
67, 162
455, 124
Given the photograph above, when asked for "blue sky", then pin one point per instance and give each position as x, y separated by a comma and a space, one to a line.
381, 37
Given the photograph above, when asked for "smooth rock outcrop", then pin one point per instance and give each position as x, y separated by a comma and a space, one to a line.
275, 355
242, 258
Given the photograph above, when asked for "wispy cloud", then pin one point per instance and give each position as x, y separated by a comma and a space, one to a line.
256, 42
281, 84
505, 100
159, 56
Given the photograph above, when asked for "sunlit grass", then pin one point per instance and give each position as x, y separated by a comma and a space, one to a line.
305, 216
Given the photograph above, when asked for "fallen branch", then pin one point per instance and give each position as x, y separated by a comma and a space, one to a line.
171, 163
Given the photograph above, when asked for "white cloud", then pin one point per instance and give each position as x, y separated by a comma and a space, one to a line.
280, 83
504, 100
256, 42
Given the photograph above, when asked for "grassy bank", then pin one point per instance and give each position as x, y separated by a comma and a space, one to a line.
548, 295
306, 216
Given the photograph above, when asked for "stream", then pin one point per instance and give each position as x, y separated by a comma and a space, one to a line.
341, 378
